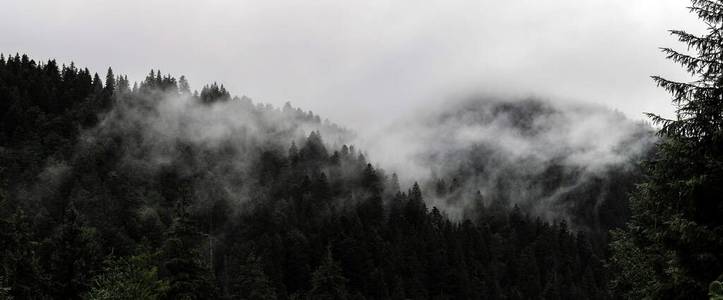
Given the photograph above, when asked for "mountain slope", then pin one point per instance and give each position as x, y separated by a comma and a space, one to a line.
155, 190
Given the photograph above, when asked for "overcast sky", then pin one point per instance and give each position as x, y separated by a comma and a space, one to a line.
360, 61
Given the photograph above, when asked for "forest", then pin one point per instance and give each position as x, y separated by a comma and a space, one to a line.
149, 190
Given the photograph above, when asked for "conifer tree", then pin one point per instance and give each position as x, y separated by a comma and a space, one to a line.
387, 243
183, 85
186, 274
73, 252
110, 80
132, 277
673, 245
252, 283
97, 84
328, 282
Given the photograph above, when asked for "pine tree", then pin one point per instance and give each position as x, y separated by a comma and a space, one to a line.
252, 283
293, 153
673, 245
97, 84
187, 276
123, 84
53, 250
20, 274
132, 277
394, 184
183, 85
328, 282
74, 256
110, 81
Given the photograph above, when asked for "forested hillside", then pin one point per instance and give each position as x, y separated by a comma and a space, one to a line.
112, 189
154, 191
555, 160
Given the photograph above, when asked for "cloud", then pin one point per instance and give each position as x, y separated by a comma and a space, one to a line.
355, 61
546, 156
215, 148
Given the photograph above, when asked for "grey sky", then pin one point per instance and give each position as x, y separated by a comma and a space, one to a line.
356, 61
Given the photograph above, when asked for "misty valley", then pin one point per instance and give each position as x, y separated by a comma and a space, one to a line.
113, 189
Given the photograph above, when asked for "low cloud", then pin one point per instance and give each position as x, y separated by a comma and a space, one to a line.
538, 154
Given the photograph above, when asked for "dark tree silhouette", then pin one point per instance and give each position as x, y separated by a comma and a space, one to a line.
673, 246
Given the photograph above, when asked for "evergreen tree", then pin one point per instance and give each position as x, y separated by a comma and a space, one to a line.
394, 184
183, 86
123, 84
293, 153
715, 291
110, 83
188, 277
97, 84
328, 282
252, 282
20, 274
245, 190
673, 245
132, 277
415, 209
73, 256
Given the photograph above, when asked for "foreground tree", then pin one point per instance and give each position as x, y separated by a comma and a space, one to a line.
673, 245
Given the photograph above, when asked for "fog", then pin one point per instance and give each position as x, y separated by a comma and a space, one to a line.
556, 159
399, 74
585, 135
511, 149
356, 61
216, 147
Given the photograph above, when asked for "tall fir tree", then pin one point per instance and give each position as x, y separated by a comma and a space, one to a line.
188, 277
672, 248
328, 282
134, 277
183, 85
110, 80
252, 282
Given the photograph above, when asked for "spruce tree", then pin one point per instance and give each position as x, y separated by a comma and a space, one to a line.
110, 80
252, 282
673, 245
183, 85
188, 277
134, 277
328, 282
97, 84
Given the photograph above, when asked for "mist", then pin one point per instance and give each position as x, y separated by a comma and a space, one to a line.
369, 60
363, 149
536, 153
215, 145
543, 155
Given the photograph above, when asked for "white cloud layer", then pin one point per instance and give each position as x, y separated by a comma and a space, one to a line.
355, 61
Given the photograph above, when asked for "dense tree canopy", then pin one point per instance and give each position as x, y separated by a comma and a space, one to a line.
153, 191
112, 189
